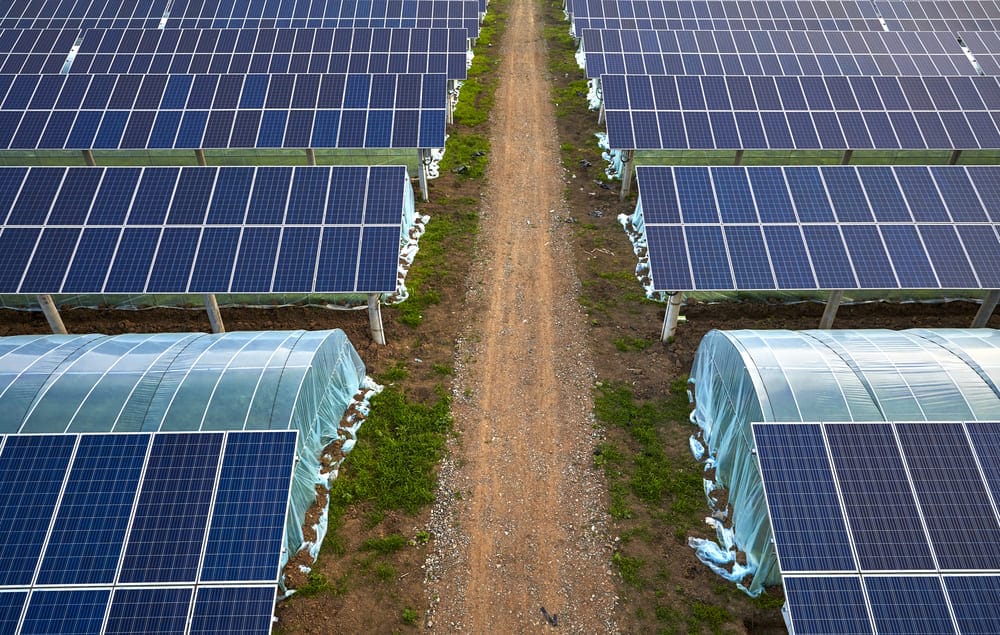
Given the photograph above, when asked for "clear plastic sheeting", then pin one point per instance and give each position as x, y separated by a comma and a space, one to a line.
249, 380
740, 377
615, 165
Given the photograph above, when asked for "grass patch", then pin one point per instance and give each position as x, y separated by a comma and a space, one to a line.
396, 372
384, 546
628, 569
392, 466
409, 616
467, 155
430, 271
709, 616
627, 344
317, 583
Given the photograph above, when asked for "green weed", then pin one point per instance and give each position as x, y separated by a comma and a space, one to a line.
710, 616
384, 546
628, 569
409, 616
627, 344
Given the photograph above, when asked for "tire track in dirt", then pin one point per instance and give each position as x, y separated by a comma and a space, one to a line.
529, 530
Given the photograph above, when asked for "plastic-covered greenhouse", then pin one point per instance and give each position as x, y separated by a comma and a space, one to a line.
741, 377
266, 380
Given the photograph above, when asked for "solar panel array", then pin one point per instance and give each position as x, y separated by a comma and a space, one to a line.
809, 112
222, 111
832, 227
885, 527
225, 14
778, 53
200, 230
728, 15
953, 15
253, 14
106, 14
35, 50
194, 51
130, 533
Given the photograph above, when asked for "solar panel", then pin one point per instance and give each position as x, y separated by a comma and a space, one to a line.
831, 227
920, 522
162, 512
407, 14
983, 46
35, 50
21, 14
201, 230
781, 15
868, 53
271, 51
953, 15
806, 112
222, 111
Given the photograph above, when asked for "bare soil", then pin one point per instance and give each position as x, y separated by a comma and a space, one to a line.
524, 548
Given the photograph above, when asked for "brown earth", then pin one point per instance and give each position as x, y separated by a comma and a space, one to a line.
528, 537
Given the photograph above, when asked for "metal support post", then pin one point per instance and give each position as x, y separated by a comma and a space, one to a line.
52, 314
848, 154
450, 112
673, 314
627, 169
424, 159
199, 155
738, 159
830, 312
88, 158
600, 114
986, 309
375, 318
955, 156
214, 315
310, 156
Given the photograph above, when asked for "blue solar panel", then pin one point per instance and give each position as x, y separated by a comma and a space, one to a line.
330, 14
908, 605
32, 471
770, 53
881, 511
806, 517
106, 534
954, 15
259, 52
974, 600
901, 114
68, 611
11, 605
74, 13
175, 501
831, 227
832, 605
264, 459
185, 230
206, 111
233, 610
86, 540
35, 50
962, 523
162, 610
782, 15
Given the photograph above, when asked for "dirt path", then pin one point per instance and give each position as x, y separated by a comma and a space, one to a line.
520, 522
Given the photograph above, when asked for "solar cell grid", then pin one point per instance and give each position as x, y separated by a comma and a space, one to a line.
781, 15
841, 113
832, 227
901, 483
271, 51
82, 13
101, 472
776, 53
201, 230
926, 15
223, 111
216, 14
